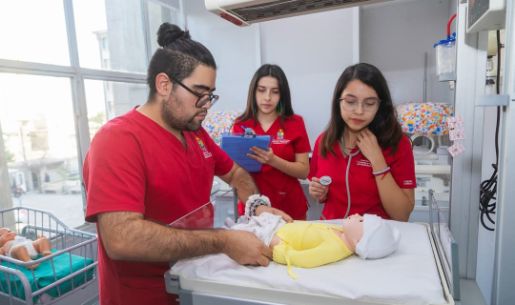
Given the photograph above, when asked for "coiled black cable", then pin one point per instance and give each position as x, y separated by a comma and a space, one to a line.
488, 188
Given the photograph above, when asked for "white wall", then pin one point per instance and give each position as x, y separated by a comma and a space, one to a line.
395, 36
313, 50
234, 48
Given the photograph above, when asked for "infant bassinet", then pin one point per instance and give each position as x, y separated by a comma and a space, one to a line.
67, 276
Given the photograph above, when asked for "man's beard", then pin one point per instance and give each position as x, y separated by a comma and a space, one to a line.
180, 124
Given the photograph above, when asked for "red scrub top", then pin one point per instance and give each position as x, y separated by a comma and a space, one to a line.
362, 184
135, 165
288, 138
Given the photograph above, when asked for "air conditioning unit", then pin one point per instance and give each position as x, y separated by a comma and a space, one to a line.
485, 15
246, 12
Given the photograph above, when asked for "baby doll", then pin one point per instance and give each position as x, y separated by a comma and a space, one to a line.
311, 244
21, 248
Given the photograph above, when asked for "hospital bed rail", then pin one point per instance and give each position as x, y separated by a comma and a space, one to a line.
67, 276
445, 246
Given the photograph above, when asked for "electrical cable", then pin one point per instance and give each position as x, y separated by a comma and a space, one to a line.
488, 188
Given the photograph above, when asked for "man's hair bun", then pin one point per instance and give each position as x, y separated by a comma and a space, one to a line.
168, 33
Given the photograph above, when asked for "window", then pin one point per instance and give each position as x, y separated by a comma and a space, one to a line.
31, 35
40, 146
157, 14
106, 100
110, 35
49, 113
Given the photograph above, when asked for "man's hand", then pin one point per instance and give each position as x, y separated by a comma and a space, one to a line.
263, 208
246, 249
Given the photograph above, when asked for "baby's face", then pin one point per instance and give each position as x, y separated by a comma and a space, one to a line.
4, 231
353, 220
353, 228
354, 217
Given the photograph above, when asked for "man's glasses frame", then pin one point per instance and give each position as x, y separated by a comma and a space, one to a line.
202, 99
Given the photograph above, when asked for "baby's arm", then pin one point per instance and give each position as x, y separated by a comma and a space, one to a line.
275, 241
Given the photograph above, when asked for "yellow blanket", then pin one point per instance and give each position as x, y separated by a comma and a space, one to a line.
304, 244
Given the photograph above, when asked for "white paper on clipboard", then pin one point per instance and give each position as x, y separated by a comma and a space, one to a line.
200, 218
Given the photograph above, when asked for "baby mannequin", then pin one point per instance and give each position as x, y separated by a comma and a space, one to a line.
311, 244
21, 248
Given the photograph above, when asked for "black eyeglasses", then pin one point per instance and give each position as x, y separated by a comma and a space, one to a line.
203, 99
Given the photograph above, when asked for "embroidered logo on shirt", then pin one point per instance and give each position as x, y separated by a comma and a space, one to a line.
279, 138
407, 182
365, 163
280, 134
206, 153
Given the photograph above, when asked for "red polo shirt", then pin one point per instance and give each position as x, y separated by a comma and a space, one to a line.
135, 165
288, 138
363, 188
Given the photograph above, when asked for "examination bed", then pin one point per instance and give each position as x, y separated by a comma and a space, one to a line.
417, 273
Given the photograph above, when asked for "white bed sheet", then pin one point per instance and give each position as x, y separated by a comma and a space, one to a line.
409, 276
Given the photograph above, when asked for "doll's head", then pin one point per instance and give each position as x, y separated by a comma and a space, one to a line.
6, 235
371, 236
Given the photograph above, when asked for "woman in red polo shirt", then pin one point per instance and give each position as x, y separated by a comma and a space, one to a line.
269, 112
363, 151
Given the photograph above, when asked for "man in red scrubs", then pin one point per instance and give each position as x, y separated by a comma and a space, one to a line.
153, 165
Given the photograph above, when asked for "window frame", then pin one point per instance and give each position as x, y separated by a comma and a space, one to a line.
77, 74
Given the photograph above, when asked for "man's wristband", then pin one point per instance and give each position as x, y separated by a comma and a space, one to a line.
381, 172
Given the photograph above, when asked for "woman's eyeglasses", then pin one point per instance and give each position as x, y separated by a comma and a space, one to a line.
351, 103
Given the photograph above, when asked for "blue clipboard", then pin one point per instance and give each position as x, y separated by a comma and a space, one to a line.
237, 147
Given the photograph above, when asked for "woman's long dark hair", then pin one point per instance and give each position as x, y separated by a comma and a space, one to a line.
385, 126
284, 107
177, 56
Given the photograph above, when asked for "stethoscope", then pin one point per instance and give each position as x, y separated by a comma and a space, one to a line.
326, 180
347, 186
